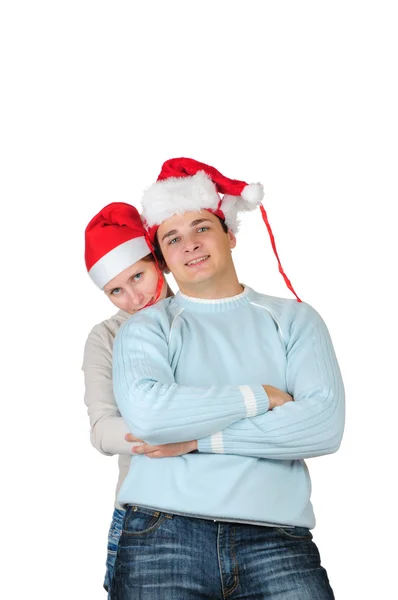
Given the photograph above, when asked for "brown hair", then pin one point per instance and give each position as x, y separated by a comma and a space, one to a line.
148, 258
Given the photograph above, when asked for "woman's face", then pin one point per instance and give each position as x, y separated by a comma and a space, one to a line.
135, 287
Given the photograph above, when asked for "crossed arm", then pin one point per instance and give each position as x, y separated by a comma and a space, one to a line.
218, 419
276, 398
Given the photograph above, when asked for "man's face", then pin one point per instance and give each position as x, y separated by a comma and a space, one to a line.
135, 287
196, 249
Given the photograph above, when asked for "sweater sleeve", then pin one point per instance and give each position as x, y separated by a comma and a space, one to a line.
107, 428
157, 409
310, 426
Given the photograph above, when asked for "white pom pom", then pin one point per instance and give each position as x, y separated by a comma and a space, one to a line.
253, 194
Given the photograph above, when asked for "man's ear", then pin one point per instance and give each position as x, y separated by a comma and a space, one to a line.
232, 239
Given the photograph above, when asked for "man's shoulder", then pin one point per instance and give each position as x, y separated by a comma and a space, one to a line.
274, 303
283, 310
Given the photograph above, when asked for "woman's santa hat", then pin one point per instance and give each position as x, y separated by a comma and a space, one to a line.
186, 185
115, 239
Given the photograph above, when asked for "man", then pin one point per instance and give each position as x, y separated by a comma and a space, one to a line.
211, 374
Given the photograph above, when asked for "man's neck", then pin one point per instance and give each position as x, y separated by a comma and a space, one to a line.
213, 290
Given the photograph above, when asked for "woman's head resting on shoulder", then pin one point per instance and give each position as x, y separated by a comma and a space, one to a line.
119, 258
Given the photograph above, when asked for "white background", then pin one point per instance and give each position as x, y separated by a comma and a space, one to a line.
95, 96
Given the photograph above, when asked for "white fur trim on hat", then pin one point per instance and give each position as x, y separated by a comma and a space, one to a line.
229, 206
117, 260
177, 195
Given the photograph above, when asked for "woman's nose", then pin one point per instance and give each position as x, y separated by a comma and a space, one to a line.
137, 297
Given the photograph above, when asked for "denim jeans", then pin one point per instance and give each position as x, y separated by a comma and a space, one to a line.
115, 531
169, 557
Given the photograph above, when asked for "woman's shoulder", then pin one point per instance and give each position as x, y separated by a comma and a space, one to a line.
108, 327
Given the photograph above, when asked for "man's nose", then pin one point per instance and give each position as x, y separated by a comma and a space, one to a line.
191, 245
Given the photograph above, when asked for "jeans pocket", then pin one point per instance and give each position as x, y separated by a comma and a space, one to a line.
295, 533
142, 521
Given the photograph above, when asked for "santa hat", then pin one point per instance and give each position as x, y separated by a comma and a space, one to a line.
114, 240
186, 185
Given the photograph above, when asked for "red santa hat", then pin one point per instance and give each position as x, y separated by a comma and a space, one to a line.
186, 185
114, 239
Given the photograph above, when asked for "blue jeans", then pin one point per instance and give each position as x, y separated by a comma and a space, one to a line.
115, 531
168, 557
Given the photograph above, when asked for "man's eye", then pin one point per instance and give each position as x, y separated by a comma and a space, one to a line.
116, 291
173, 241
202, 229
137, 277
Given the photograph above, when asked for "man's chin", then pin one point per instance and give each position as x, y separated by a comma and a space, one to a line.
195, 280
200, 276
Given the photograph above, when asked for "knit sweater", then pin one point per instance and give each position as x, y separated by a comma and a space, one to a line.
193, 369
107, 428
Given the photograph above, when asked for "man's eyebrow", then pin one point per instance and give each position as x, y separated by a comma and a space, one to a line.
198, 221
169, 233
193, 224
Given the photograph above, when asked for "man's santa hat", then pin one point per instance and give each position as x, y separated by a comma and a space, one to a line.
186, 185
115, 239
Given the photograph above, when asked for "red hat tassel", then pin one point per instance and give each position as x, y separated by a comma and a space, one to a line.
271, 235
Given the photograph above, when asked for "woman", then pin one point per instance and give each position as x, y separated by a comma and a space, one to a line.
119, 260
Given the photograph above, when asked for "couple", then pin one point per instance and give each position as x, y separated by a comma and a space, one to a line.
224, 392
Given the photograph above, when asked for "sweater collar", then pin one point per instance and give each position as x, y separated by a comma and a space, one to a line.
215, 305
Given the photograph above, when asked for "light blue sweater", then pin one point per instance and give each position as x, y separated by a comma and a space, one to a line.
189, 369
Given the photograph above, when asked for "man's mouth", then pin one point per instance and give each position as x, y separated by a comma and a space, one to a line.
197, 261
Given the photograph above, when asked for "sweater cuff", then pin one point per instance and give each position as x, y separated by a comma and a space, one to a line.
108, 436
212, 444
256, 402
255, 398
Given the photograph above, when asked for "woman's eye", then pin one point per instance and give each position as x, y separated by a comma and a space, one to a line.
137, 277
116, 291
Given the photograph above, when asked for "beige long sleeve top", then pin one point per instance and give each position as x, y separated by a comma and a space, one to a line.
107, 428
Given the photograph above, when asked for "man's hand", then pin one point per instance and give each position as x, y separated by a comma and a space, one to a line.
276, 396
164, 451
